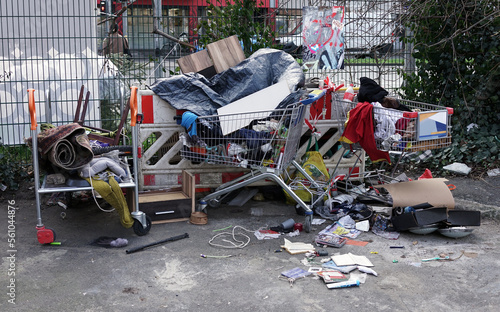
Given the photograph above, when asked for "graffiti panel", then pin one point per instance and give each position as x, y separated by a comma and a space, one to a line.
323, 37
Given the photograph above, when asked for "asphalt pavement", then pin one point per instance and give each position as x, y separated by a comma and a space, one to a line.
173, 276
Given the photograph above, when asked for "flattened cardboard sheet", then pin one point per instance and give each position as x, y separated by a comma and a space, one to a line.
433, 191
240, 113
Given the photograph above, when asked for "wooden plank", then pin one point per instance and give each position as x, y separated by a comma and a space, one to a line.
225, 53
169, 221
189, 187
149, 198
195, 62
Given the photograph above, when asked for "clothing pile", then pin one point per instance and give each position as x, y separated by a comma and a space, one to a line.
378, 122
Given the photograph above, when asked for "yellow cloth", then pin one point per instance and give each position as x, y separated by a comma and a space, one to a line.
113, 194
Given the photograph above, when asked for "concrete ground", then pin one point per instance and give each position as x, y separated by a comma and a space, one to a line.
77, 276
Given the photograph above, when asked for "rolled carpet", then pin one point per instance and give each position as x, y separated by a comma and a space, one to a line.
66, 146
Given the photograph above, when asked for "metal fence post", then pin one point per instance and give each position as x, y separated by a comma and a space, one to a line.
48, 107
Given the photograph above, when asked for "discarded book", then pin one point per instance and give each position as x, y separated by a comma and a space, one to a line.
297, 248
350, 259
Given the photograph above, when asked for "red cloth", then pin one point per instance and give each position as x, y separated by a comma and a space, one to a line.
359, 128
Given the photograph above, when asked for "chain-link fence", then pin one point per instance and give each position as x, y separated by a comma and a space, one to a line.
56, 47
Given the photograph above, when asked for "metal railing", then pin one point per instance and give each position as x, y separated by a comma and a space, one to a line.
56, 47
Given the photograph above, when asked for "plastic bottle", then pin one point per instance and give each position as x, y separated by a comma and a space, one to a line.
349, 93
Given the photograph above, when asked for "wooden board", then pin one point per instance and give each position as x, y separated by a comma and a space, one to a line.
164, 196
225, 53
196, 62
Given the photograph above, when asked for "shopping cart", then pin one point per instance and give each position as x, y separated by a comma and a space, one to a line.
45, 235
423, 127
264, 141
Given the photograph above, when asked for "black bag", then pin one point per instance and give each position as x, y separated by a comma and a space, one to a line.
126, 49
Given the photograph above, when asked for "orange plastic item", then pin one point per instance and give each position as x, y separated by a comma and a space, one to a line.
32, 108
133, 106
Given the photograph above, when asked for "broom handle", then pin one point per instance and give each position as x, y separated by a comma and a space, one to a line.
171, 239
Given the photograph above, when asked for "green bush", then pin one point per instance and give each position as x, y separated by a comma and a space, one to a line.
458, 65
12, 171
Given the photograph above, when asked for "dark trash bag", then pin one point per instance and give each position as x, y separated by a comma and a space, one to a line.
357, 211
202, 96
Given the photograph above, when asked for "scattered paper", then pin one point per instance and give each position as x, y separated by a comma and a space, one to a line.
266, 234
363, 226
367, 270
493, 172
458, 168
344, 269
361, 277
318, 221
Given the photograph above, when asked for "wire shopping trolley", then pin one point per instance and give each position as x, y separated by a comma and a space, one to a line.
415, 127
264, 141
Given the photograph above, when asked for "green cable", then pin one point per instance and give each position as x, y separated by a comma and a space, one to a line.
227, 227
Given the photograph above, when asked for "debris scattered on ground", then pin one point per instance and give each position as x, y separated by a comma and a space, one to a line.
106, 241
317, 221
436, 258
217, 257
494, 172
351, 259
297, 247
266, 234
458, 168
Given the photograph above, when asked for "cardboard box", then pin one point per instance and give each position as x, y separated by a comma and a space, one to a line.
171, 205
